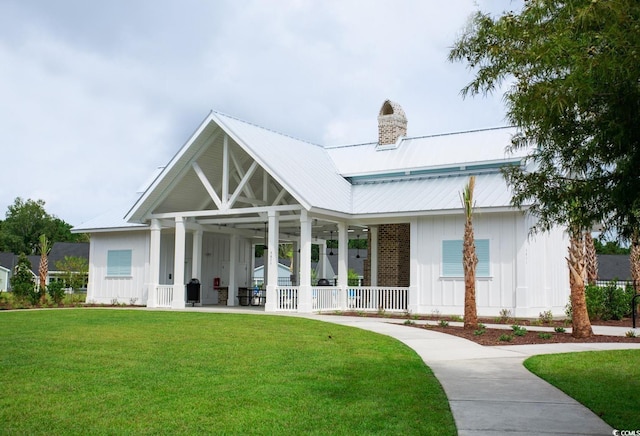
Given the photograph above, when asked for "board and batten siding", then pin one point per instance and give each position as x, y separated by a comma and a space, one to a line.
543, 274
103, 289
527, 274
445, 295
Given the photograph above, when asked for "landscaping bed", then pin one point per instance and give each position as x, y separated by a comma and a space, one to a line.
524, 334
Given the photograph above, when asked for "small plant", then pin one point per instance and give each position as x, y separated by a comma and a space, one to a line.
381, 311
545, 335
545, 317
456, 318
536, 322
505, 315
567, 322
443, 323
132, 301
559, 329
479, 331
435, 313
505, 338
361, 313
114, 301
519, 330
409, 322
631, 334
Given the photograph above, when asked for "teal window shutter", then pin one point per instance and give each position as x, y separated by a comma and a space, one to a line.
452, 258
119, 263
482, 251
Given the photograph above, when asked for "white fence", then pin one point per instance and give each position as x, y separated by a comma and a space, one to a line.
287, 298
164, 295
326, 298
361, 298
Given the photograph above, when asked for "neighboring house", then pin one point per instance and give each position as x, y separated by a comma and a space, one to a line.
4, 279
614, 267
58, 252
234, 185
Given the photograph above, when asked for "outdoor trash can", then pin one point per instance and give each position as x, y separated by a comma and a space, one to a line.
193, 291
243, 296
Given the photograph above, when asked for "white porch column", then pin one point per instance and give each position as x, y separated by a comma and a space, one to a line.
233, 260
343, 262
413, 304
373, 262
295, 262
154, 262
271, 263
305, 292
178, 301
322, 260
196, 256
196, 261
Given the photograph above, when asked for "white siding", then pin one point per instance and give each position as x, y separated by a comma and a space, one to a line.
106, 290
527, 275
446, 294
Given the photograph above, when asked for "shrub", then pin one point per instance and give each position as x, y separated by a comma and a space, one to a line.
56, 291
443, 323
559, 329
543, 335
457, 318
519, 330
505, 338
23, 282
546, 317
606, 302
609, 301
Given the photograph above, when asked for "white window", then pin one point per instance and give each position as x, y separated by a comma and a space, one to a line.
119, 263
452, 258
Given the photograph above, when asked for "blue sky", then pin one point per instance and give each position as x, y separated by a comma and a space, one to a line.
96, 95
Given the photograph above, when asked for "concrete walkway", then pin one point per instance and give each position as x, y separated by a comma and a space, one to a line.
489, 390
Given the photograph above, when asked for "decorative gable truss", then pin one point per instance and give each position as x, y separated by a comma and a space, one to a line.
220, 179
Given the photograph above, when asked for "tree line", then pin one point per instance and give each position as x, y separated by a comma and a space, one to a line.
24, 224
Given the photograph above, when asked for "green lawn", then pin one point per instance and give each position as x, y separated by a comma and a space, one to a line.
109, 371
607, 382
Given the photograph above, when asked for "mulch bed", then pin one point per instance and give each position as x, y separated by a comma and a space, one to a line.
491, 336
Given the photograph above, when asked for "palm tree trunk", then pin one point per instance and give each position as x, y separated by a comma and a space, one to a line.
469, 259
580, 319
43, 269
591, 259
634, 259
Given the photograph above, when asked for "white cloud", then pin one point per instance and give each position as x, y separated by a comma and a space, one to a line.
96, 95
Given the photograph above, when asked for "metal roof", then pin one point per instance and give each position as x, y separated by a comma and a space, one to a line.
424, 152
429, 194
418, 174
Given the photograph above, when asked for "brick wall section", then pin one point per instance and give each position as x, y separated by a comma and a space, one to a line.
393, 256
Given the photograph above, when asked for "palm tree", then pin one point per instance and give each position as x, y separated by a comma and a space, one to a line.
634, 259
581, 325
43, 270
469, 258
591, 260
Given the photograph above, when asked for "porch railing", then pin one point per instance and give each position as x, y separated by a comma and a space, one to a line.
364, 298
287, 298
164, 295
326, 298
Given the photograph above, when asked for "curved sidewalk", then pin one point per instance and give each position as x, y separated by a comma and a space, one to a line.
489, 390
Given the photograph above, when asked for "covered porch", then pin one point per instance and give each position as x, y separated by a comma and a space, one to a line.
304, 294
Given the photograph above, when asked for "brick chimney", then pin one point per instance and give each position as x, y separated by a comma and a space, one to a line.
392, 123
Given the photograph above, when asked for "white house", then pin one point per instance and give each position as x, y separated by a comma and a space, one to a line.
235, 184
